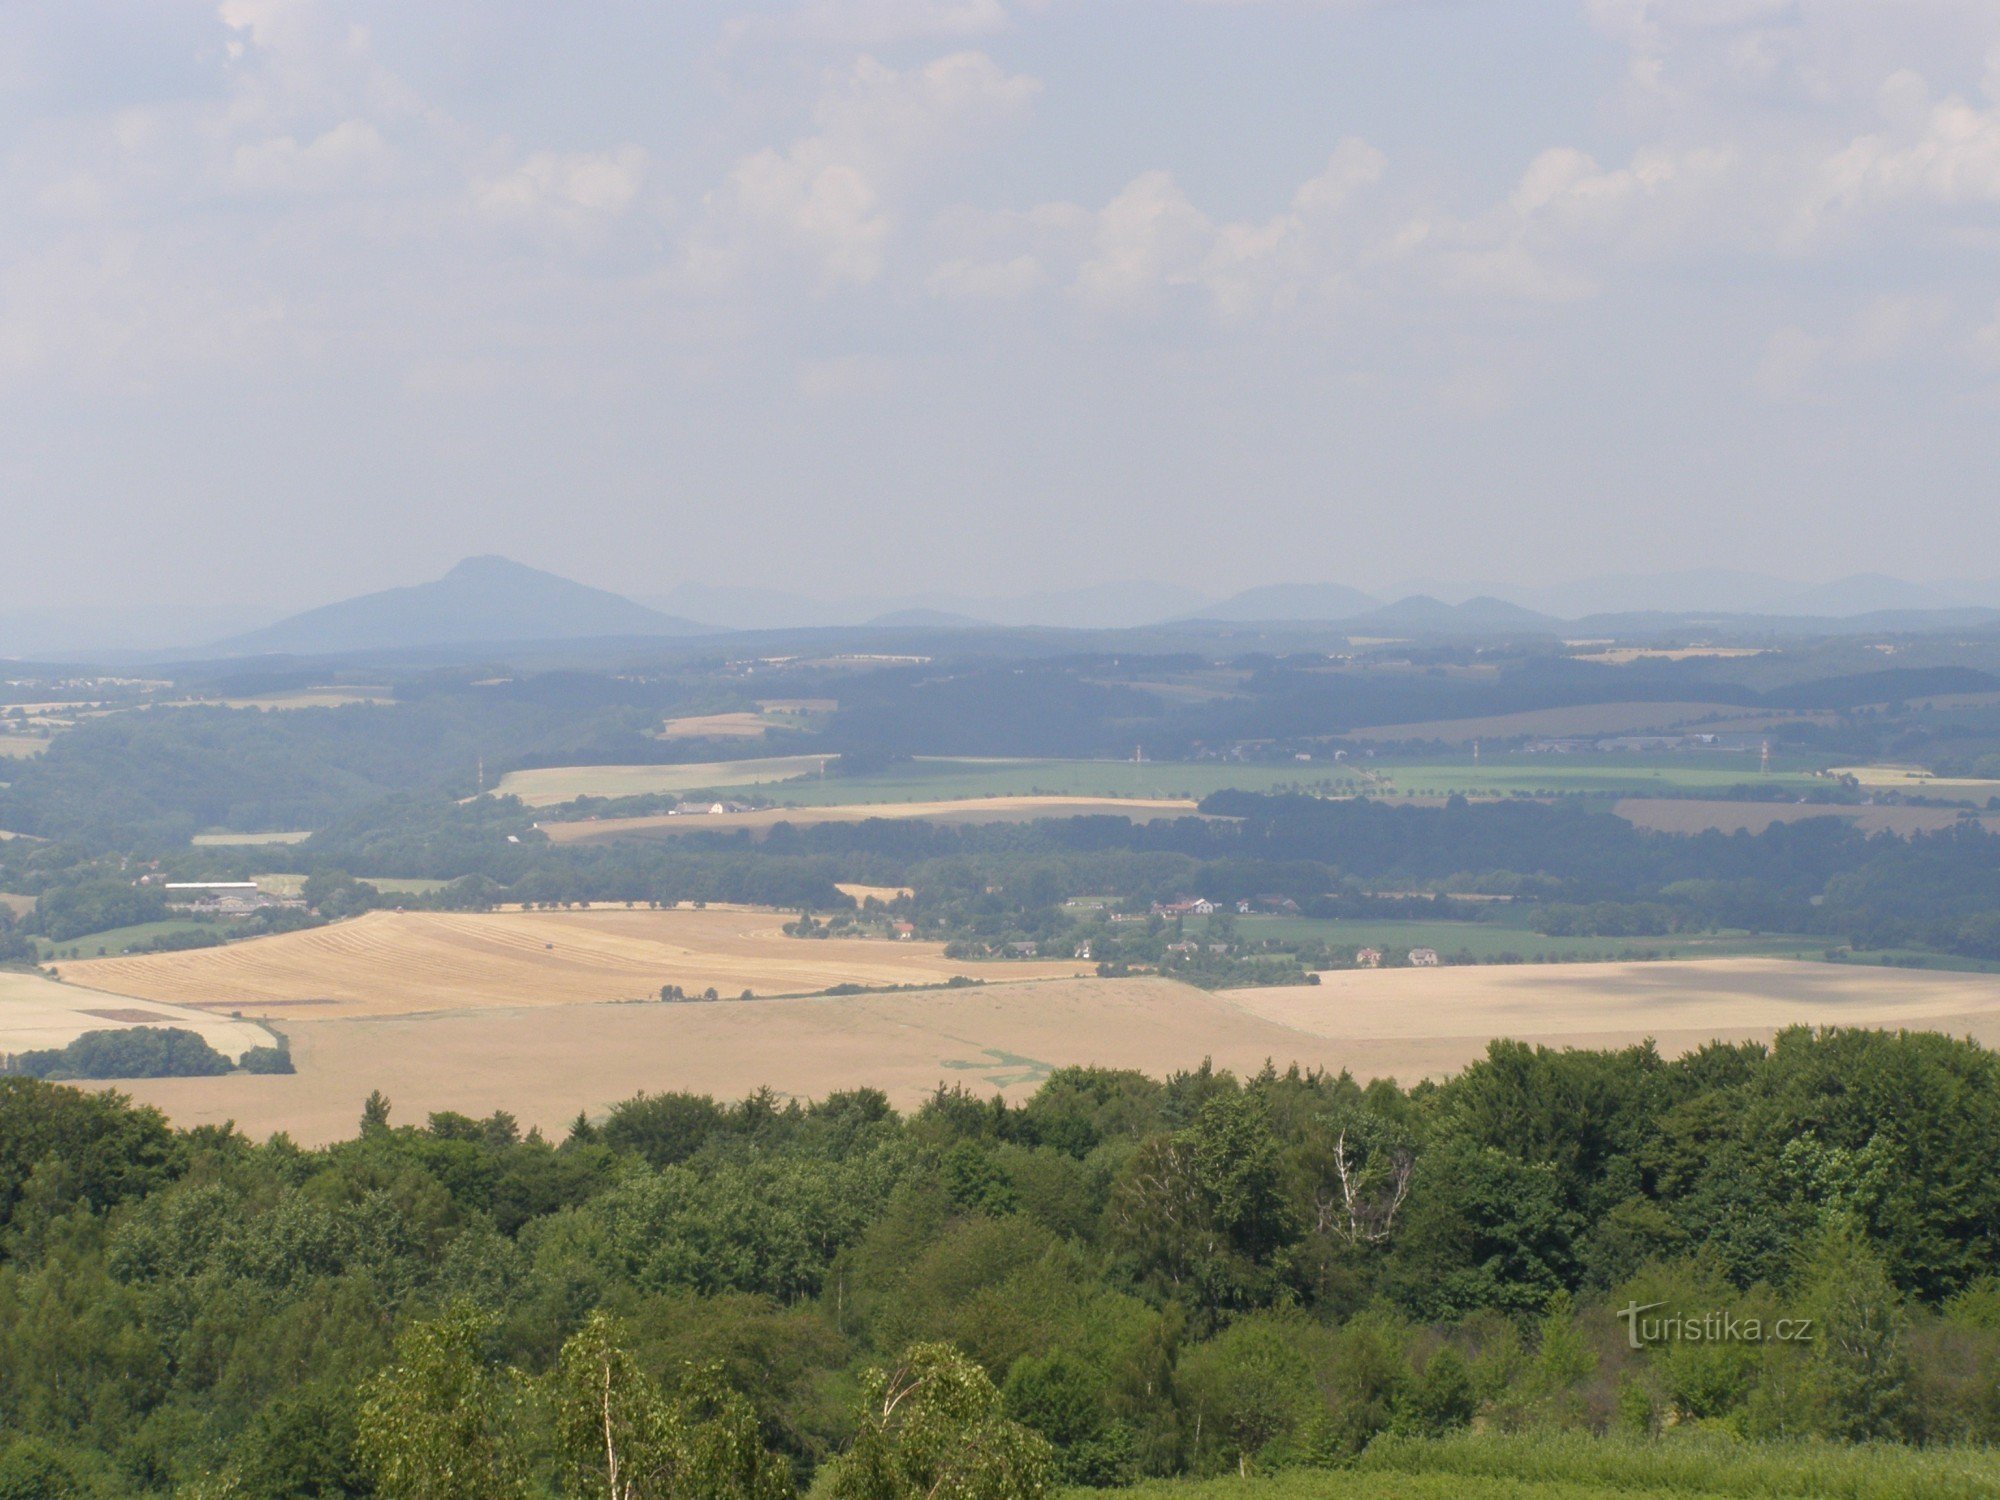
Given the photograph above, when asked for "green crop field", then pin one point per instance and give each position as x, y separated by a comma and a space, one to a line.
1488, 941
114, 940
943, 778
795, 781
1598, 775
935, 780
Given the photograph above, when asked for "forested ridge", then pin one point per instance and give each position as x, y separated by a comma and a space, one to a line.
1117, 1278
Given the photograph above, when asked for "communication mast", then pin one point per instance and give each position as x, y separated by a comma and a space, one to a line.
1765, 764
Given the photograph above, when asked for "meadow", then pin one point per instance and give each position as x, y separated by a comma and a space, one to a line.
117, 939
1571, 1466
1489, 941
1605, 775
1580, 719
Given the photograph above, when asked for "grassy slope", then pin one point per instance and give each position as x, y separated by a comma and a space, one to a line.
118, 939
1571, 1466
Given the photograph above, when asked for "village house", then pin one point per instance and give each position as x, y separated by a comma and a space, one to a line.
1368, 958
904, 930
1283, 906
1187, 906
1423, 958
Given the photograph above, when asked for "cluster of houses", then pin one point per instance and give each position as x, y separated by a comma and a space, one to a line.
220, 898
1196, 906
1420, 958
1642, 744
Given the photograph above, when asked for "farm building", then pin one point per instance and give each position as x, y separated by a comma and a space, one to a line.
1368, 958
224, 898
1423, 958
1187, 906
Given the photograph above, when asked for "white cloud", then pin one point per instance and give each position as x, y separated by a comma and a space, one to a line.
1943, 153
568, 184
351, 154
1797, 365
867, 23
1148, 240
986, 281
834, 195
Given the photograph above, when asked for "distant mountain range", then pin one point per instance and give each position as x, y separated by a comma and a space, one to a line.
482, 599
495, 600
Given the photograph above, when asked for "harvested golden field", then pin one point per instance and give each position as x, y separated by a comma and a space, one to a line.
962, 810
1408, 1023
38, 1013
20, 906
1917, 779
545, 1064
1689, 815
882, 893
743, 725
400, 963
336, 696
249, 840
550, 785
21, 746
1585, 719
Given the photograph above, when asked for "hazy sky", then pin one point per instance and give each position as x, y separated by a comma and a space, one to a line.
298, 299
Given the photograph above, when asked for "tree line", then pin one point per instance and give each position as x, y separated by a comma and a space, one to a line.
1114, 1278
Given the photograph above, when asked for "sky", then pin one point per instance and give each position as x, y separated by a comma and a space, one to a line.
300, 299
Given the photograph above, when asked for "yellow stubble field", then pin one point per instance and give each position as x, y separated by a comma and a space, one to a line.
36, 1013
544, 1064
1409, 1023
402, 963
550, 785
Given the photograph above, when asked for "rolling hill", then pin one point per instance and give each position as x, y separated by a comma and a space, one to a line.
482, 599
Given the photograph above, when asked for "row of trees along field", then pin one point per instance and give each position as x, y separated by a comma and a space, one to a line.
1118, 1278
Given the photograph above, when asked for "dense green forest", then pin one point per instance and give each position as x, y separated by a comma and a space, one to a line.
1567, 868
1118, 1278
144, 781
